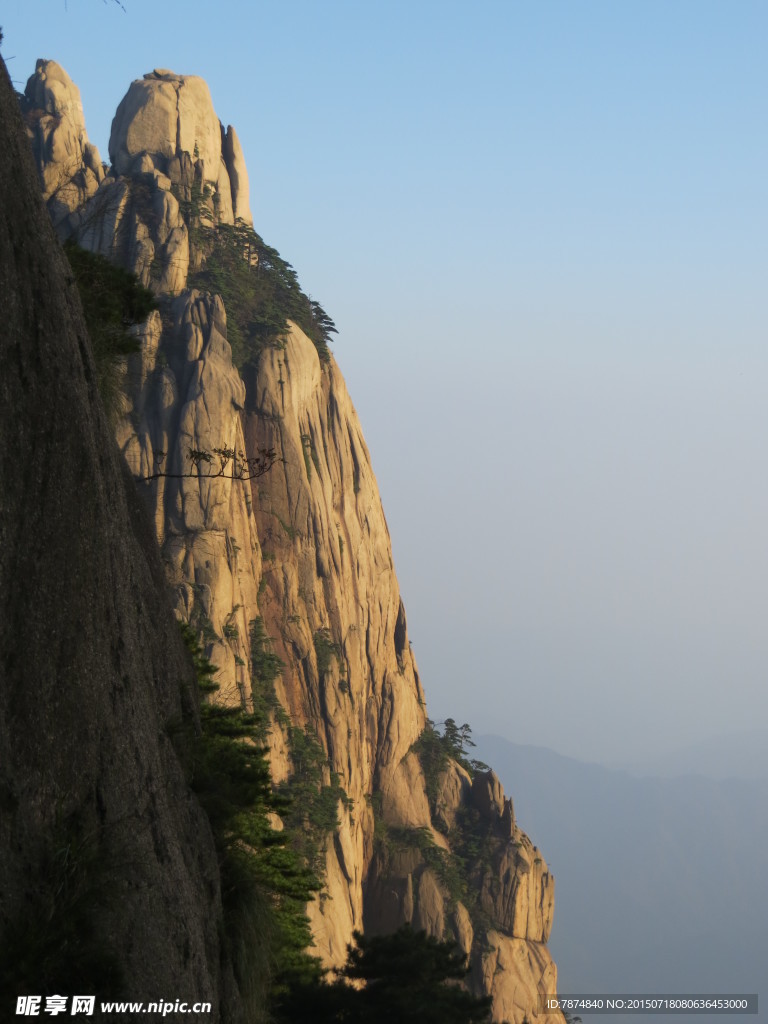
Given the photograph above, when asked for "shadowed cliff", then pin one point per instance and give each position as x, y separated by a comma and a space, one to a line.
108, 876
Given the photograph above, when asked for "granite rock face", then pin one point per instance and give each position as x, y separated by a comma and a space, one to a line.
164, 118
138, 223
328, 566
98, 824
169, 153
514, 972
183, 393
500, 913
238, 176
69, 165
305, 549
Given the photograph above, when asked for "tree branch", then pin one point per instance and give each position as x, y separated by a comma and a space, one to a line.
239, 465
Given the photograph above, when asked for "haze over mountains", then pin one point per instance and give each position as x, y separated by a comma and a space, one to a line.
739, 755
661, 884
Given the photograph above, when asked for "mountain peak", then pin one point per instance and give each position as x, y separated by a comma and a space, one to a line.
167, 122
69, 166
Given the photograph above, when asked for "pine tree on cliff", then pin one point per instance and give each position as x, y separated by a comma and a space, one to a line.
409, 977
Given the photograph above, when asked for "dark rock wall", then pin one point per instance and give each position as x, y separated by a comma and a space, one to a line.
97, 822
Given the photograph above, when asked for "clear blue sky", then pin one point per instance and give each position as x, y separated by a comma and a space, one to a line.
542, 230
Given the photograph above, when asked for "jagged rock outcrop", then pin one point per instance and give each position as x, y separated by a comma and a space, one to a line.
69, 166
453, 791
138, 223
107, 862
515, 972
169, 154
501, 914
234, 159
166, 122
305, 550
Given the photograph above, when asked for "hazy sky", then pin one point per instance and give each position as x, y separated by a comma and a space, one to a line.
542, 230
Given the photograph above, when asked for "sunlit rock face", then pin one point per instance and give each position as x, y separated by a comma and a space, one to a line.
69, 165
306, 549
502, 916
166, 122
169, 153
184, 394
328, 565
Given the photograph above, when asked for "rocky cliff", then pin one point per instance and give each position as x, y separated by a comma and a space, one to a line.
109, 880
300, 554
